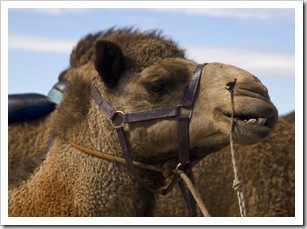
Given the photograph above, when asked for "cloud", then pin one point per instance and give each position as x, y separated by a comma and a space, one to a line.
40, 44
240, 14
257, 61
55, 11
261, 14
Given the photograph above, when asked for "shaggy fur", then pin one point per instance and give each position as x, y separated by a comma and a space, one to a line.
28, 143
267, 173
72, 183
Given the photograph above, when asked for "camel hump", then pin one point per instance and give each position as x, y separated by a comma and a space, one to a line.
29, 106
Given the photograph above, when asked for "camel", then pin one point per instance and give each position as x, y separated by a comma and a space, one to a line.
134, 72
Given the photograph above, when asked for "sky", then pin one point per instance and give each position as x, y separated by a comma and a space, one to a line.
259, 40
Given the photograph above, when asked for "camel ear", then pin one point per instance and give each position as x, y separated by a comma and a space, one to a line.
109, 62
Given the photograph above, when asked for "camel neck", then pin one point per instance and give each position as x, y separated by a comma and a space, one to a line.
99, 187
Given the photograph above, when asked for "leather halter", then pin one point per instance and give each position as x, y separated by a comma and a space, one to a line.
184, 113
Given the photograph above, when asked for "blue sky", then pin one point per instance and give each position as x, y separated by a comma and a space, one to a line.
260, 40
259, 36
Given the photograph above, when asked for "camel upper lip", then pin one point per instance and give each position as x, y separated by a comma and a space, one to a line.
255, 92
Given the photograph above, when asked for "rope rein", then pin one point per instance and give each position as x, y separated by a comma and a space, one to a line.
237, 185
114, 158
140, 165
195, 193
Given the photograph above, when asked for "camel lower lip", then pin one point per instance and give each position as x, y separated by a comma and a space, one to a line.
249, 133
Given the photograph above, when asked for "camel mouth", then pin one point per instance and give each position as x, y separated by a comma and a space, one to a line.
267, 119
261, 114
252, 126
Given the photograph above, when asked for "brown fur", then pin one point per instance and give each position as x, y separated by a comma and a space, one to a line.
27, 146
71, 183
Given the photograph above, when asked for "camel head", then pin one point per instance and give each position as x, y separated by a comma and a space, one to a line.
135, 72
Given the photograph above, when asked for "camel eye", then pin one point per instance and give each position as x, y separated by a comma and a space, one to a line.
157, 88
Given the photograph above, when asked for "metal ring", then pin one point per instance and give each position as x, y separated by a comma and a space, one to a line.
177, 167
118, 115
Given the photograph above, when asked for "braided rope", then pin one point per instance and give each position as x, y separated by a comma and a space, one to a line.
237, 184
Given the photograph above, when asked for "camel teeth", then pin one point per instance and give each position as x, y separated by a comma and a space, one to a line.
251, 121
262, 121
258, 121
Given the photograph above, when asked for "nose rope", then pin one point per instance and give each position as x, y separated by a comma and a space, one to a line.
237, 184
